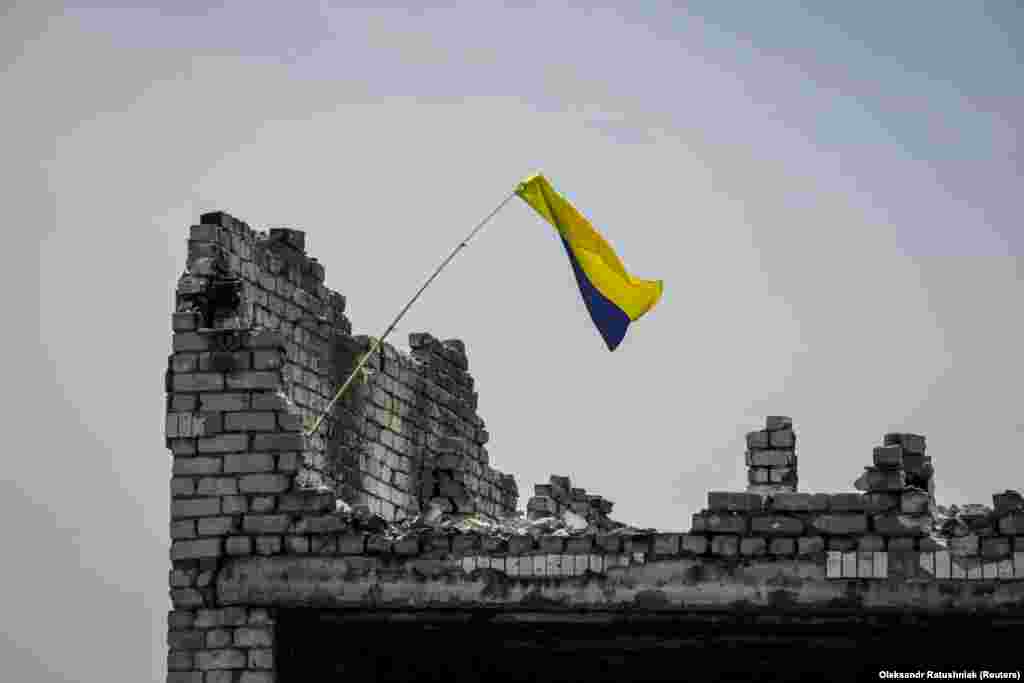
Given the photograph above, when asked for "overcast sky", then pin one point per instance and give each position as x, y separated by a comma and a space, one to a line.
830, 191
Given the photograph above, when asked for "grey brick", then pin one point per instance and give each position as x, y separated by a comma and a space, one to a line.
261, 504
191, 341
234, 505
248, 462
182, 486
220, 659
218, 638
238, 545
264, 483
256, 677
270, 359
197, 549
217, 486
265, 524
220, 676
269, 400
185, 677
268, 545
184, 402
224, 443
196, 466
184, 362
253, 637
250, 421
224, 402
179, 661
183, 529
841, 524
278, 442
197, 381
261, 659
216, 526
195, 507
255, 379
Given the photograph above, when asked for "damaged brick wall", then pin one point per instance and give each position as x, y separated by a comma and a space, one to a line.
382, 444
260, 346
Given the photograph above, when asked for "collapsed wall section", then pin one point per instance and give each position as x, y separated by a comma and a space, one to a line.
380, 446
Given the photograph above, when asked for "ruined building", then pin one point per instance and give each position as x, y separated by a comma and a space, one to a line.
388, 547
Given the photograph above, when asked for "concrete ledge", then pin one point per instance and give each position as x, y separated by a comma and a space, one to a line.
670, 585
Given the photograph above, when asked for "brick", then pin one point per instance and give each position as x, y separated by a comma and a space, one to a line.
995, 548
261, 659
846, 502
753, 546
184, 402
238, 545
216, 526
901, 544
250, 421
776, 525
254, 380
185, 677
234, 505
666, 545
195, 507
727, 546
179, 661
871, 544
784, 547
841, 524
278, 442
843, 544
783, 438
196, 466
268, 545
776, 422
190, 341
551, 544
185, 640
248, 463
220, 659
197, 381
224, 443
269, 359
1012, 525
351, 544
220, 676
583, 545
770, 458
518, 545
799, 502
810, 545
875, 479
758, 439
264, 483
182, 486
218, 638
888, 456
901, 525
880, 502
256, 677
912, 443
183, 598
914, 502
217, 486
265, 524
725, 501
192, 550
721, 523
224, 402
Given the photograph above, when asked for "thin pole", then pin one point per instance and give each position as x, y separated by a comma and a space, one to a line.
380, 340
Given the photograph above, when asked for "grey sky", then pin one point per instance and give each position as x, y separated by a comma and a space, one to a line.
830, 192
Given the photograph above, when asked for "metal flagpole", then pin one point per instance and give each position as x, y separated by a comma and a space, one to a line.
380, 340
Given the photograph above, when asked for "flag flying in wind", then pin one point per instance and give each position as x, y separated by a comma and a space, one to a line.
614, 297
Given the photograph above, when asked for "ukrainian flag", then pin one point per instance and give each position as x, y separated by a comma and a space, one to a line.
614, 297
